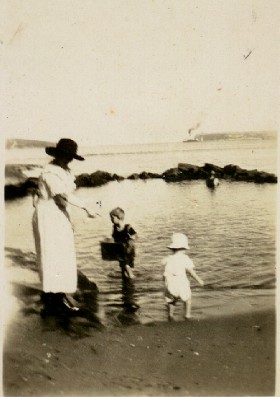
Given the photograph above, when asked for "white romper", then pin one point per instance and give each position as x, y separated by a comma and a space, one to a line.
177, 284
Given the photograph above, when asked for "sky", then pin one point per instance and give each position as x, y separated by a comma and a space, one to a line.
130, 71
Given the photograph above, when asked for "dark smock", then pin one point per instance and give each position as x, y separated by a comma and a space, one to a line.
123, 236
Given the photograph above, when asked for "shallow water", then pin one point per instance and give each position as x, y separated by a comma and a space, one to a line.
231, 234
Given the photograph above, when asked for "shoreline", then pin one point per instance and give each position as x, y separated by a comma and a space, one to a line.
25, 288
233, 354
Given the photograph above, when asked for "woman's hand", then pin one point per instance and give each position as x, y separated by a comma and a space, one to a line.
91, 214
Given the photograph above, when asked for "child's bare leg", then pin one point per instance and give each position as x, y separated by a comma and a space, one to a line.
129, 271
170, 307
188, 308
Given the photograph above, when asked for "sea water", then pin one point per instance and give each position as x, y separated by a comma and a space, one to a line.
127, 159
231, 230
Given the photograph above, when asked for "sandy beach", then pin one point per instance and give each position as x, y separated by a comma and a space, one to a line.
218, 356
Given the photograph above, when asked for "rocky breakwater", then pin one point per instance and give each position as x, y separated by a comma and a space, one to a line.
183, 172
28, 185
95, 179
230, 172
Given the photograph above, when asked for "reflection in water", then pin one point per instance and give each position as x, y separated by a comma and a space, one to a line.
128, 316
128, 296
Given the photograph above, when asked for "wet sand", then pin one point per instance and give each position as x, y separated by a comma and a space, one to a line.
219, 356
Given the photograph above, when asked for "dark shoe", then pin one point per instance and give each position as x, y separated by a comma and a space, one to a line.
69, 302
65, 306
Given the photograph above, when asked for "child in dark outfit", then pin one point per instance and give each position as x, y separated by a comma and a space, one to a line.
124, 233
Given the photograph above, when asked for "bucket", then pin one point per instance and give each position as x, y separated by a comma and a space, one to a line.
111, 251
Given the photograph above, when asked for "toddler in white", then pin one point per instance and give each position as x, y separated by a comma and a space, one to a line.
177, 266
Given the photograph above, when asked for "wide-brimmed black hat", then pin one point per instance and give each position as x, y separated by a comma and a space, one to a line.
64, 146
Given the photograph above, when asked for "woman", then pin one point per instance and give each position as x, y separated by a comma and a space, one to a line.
53, 232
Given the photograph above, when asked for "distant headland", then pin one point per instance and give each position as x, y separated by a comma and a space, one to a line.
26, 143
212, 136
230, 136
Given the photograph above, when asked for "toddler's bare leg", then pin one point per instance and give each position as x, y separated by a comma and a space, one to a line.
188, 308
170, 307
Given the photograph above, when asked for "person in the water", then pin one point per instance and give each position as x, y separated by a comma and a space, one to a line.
212, 181
124, 233
177, 284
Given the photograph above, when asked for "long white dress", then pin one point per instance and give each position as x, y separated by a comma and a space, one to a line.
177, 284
53, 233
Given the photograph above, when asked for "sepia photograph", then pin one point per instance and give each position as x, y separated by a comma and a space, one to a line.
140, 172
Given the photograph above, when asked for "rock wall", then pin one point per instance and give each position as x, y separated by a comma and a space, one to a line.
184, 172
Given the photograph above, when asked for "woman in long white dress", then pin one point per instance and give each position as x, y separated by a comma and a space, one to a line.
53, 231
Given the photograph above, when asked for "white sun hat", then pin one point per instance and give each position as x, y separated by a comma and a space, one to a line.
179, 240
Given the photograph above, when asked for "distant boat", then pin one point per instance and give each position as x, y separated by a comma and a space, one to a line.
192, 134
193, 138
